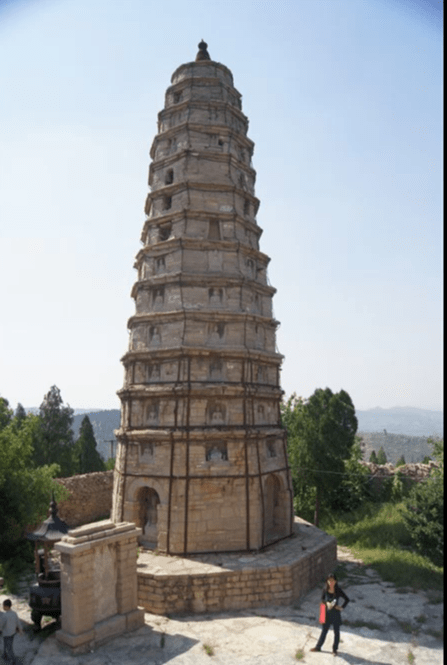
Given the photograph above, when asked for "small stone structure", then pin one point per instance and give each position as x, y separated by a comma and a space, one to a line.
201, 462
98, 584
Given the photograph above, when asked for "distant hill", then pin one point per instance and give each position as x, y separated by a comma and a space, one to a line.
413, 448
407, 430
402, 420
103, 423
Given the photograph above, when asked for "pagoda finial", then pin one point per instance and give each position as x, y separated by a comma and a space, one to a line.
203, 53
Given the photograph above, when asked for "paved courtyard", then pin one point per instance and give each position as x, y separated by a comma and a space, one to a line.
382, 626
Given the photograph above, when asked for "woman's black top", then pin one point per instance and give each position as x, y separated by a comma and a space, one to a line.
333, 615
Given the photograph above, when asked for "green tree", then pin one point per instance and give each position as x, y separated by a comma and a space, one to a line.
5, 413
401, 461
53, 443
321, 434
424, 510
354, 486
86, 456
19, 416
397, 488
381, 456
373, 458
25, 491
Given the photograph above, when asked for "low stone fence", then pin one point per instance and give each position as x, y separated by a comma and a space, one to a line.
280, 576
412, 473
90, 498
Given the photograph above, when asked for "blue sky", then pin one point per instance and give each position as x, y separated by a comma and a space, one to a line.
344, 99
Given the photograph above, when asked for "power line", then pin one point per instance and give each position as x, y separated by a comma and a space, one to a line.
344, 473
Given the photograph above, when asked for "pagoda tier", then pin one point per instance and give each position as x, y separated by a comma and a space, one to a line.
201, 462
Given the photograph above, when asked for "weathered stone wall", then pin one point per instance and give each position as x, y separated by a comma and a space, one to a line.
90, 498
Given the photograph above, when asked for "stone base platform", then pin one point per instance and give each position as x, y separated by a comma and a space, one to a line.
278, 575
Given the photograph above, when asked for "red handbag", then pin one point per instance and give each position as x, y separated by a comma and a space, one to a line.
322, 617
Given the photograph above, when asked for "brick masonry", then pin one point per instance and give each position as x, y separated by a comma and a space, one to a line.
279, 575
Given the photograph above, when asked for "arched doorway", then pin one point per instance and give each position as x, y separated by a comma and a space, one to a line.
272, 508
148, 501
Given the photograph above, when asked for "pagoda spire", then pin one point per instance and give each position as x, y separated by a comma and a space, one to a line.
203, 52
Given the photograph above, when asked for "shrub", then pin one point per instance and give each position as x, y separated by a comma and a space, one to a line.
423, 513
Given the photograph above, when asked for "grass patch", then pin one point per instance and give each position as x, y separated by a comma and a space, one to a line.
362, 624
377, 535
439, 634
410, 657
406, 626
299, 654
208, 649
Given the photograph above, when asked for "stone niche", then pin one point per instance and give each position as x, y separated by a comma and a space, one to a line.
99, 591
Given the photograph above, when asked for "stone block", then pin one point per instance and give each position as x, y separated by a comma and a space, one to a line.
109, 628
79, 643
135, 619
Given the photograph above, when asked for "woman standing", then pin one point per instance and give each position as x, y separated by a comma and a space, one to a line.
331, 598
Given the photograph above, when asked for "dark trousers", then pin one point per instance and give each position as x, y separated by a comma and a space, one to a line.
324, 632
8, 652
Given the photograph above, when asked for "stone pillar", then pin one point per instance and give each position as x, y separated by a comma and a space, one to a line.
98, 584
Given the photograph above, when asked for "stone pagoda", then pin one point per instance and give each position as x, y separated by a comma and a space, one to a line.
201, 462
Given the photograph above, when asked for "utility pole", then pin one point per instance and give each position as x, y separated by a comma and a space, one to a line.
112, 443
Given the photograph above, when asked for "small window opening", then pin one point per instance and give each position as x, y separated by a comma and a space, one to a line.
220, 142
216, 452
146, 449
271, 449
154, 336
159, 295
217, 330
169, 177
160, 264
216, 414
167, 202
154, 372
241, 180
177, 97
215, 296
214, 230
246, 207
152, 412
165, 231
216, 368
